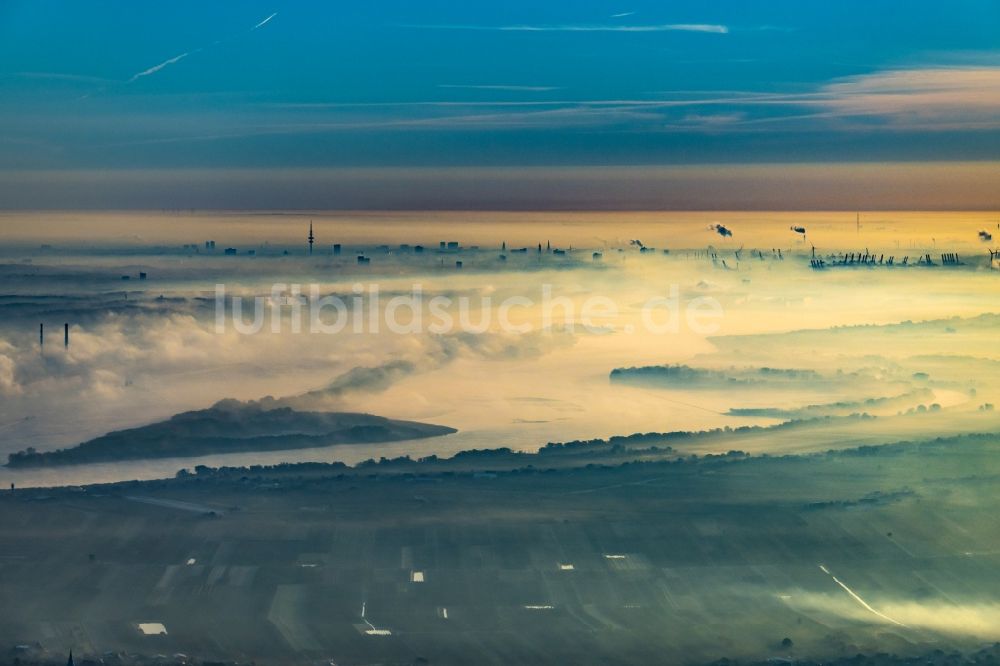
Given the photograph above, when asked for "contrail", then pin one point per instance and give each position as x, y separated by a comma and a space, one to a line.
155, 68
573, 27
857, 598
264, 21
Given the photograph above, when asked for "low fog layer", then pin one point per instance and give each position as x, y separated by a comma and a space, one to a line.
894, 343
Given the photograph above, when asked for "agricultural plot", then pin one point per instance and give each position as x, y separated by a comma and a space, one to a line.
680, 561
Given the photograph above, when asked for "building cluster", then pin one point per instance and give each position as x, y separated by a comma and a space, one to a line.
871, 259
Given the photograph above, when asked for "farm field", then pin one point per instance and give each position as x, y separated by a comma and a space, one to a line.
889, 549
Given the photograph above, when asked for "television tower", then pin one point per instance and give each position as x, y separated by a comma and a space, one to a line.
312, 238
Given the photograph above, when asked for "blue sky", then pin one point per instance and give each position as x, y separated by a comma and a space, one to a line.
186, 85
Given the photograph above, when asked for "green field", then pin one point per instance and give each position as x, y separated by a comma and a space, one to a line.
674, 560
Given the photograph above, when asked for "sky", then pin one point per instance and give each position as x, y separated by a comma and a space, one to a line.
416, 98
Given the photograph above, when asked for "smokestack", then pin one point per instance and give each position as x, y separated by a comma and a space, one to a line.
66, 335
41, 334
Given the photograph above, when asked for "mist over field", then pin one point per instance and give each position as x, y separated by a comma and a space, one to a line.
142, 351
641, 420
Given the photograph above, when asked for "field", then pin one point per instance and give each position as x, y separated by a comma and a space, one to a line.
679, 560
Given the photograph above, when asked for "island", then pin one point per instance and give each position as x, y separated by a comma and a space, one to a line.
232, 426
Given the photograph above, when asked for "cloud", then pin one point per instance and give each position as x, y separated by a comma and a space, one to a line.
8, 367
925, 99
932, 98
928, 99
917, 99
712, 28
974, 619
500, 87
359, 379
59, 76
712, 120
427, 355
622, 14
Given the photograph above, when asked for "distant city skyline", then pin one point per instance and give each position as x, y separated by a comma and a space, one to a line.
138, 106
